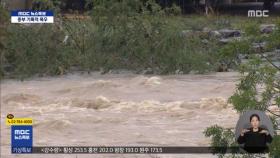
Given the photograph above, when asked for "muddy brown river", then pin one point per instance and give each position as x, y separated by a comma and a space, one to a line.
119, 109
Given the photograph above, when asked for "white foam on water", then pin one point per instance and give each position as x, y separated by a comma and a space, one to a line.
120, 109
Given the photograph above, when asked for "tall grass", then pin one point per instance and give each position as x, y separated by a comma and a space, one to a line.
127, 34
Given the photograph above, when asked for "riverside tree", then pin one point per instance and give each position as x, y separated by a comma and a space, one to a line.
259, 89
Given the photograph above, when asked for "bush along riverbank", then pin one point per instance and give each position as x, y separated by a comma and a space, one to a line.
135, 36
258, 88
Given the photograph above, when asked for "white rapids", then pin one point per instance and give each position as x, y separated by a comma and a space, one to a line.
119, 109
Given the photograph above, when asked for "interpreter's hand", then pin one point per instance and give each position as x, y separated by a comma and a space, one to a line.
244, 131
264, 132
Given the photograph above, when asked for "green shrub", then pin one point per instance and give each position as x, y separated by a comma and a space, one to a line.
259, 71
139, 35
136, 35
37, 50
221, 139
274, 147
3, 35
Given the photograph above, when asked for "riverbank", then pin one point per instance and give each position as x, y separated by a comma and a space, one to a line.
147, 43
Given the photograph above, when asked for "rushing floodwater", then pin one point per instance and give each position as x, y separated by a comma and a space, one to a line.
119, 109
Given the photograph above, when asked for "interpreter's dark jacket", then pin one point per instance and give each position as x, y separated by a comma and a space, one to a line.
255, 142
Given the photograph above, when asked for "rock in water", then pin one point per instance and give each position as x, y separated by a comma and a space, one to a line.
267, 28
228, 40
215, 34
226, 33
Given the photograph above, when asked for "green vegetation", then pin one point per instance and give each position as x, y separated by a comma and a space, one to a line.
135, 35
260, 71
139, 35
220, 137
3, 34
36, 50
